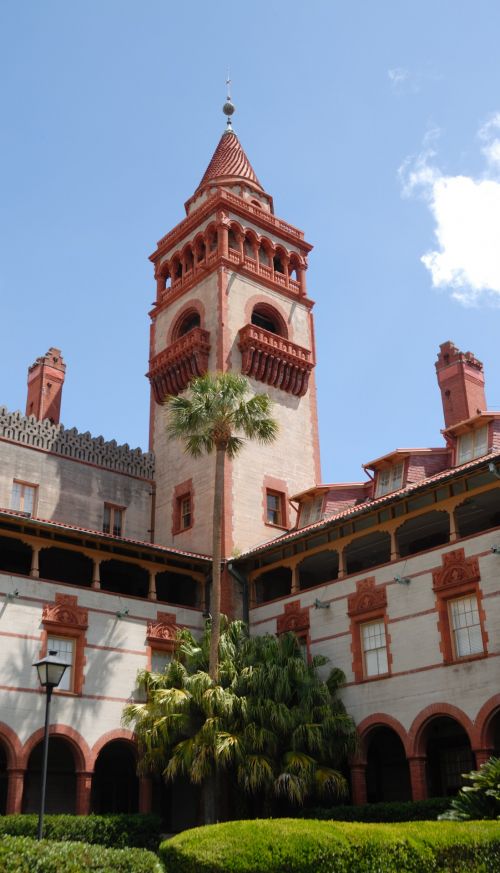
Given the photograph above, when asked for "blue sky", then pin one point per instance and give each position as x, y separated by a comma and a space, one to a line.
375, 126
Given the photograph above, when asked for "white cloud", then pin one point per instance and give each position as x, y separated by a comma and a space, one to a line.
466, 211
398, 77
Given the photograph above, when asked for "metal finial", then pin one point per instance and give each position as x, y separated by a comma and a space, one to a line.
228, 107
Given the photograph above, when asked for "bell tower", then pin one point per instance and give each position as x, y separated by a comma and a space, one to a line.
231, 295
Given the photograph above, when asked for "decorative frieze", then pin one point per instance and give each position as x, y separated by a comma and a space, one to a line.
456, 570
274, 360
367, 598
173, 368
162, 633
70, 443
295, 619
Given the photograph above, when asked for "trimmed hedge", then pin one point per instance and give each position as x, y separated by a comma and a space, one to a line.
411, 810
24, 855
115, 831
298, 846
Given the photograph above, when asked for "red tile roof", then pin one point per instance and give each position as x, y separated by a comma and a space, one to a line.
85, 530
370, 505
229, 162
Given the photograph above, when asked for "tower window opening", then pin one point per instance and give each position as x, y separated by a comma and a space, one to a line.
178, 270
212, 241
189, 260
189, 322
232, 241
266, 318
249, 250
278, 264
201, 252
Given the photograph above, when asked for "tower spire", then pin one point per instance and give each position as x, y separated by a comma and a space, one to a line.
229, 107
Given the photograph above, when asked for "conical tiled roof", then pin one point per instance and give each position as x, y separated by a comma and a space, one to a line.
229, 164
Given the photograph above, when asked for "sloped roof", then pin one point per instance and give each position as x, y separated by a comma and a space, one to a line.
229, 163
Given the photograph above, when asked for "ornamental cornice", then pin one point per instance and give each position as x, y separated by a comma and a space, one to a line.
368, 597
274, 360
163, 630
65, 612
172, 369
294, 619
456, 570
243, 208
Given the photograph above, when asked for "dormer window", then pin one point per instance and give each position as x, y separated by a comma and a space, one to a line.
310, 511
389, 480
472, 445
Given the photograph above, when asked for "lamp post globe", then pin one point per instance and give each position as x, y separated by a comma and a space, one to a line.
50, 672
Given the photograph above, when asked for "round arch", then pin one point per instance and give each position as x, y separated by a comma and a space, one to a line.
379, 719
416, 734
484, 722
122, 734
13, 746
194, 306
79, 746
115, 782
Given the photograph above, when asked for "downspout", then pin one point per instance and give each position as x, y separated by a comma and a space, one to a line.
244, 589
151, 530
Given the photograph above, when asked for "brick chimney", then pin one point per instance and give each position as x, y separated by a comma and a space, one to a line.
45, 383
461, 380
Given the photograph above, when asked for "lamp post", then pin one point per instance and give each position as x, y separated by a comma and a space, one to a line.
50, 672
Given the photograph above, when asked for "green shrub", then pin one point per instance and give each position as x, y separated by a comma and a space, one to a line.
298, 846
411, 810
115, 831
481, 800
24, 855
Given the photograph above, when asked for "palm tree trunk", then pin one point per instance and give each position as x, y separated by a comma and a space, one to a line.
213, 664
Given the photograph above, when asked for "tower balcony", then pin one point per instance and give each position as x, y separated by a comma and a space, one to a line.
172, 369
274, 360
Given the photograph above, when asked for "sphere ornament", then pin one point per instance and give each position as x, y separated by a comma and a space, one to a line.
228, 108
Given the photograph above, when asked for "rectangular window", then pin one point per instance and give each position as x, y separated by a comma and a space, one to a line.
374, 648
389, 480
23, 497
113, 519
472, 445
159, 660
185, 512
274, 508
63, 648
466, 627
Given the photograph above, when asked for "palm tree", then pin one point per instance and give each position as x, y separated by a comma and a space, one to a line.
270, 723
215, 415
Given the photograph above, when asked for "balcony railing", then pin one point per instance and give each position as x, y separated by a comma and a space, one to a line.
274, 360
172, 369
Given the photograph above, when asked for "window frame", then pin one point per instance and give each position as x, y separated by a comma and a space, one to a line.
54, 637
113, 508
368, 605
392, 485
363, 625
24, 485
473, 434
276, 487
64, 619
453, 630
278, 496
457, 578
182, 492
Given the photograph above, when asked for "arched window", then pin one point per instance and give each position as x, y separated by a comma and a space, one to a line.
266, 317
232, 240
188, 322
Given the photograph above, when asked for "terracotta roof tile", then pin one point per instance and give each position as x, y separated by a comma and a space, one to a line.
229, 161
86, 530
361, 508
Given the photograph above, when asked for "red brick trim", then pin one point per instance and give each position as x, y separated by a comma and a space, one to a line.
457, 577
278, 486
367, 604
184, 489
79, 746
370, 723
193, 305
65, 618
274, 309
161, 635
483, 722
417, 734
12, 744
295, 620
117, 734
